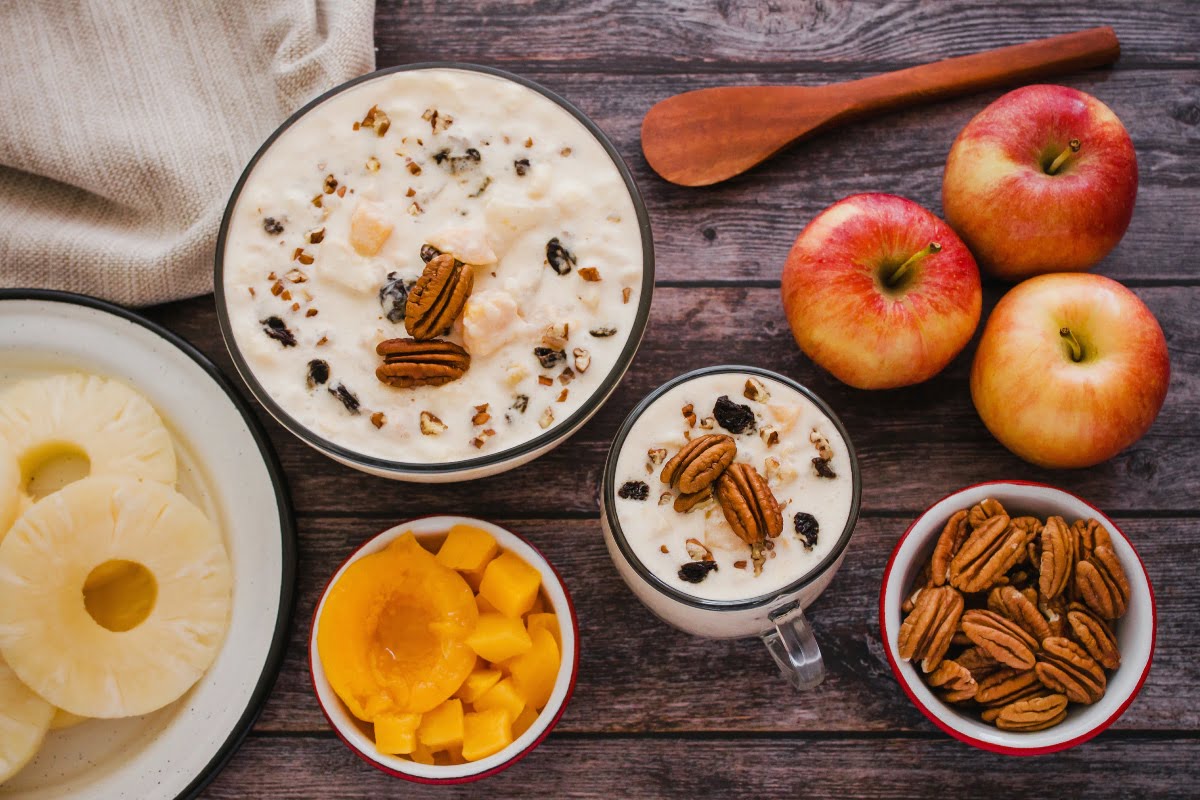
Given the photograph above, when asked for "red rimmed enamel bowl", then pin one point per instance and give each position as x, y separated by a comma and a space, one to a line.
1135, 631
351, 731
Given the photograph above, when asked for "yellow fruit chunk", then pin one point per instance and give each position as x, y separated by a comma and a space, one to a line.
502, 695
478, 682
422, 755
393, 630
544, 621
510, 584
369, 228
535, 672
442, 727
396, 734
523, 721
497, 637
467, 549
485, 733
446, 758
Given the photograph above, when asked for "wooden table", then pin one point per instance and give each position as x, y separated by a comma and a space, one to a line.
659, 713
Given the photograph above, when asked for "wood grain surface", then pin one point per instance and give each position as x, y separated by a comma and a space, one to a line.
657, 713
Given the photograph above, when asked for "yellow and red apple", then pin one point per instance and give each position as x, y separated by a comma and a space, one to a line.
1042, 180
1072, 368
880, 292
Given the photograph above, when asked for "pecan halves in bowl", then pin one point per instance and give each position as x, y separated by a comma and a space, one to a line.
985, 510
1000, 637
987, 554
1006, 686
957, 682
749, 506
1011, 603
1094, 635
1057, 557
1090, 534
1032, 713
699, 463
438, 297
408, 363
1101, 583
948, 544
925, 634
1066, 667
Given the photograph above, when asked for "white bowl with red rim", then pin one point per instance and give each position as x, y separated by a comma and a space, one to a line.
1135, 631
353, 733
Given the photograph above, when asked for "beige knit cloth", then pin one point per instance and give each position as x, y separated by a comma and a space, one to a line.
125, 123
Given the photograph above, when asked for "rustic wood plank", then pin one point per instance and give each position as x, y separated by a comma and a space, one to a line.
639, 675
914, 444
627, 35
565, 767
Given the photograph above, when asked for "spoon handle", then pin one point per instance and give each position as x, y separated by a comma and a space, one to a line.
987, 70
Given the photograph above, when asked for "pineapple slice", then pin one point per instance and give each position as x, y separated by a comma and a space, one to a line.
65, 719
24, 720
104, 421
10, 489
90, 630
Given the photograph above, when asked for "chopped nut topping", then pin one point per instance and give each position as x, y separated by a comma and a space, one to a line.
341, 192
697, 550
252, 292
415, 209
603, 332
482, 407
769, 435
529, 142
566, 376
312, 312
481, 418
378, 419
657, 454
756, 390
295, 306
411, 192
296, 276
555, 336
665, 499
739, 565
708, 423
437, 121
566, 151
277, 288
301, 256
547, 418
562, 396
372, 164
318, 202
431, 425
590, 274
315, 236
331, 184
625, 293
376, 119
583, 360
662, 548
689, 414
822, 444
413, 167
545, 380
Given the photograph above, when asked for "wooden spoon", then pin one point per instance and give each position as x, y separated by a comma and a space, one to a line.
702, 137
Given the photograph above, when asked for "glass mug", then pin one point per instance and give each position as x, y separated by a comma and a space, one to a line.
776, 617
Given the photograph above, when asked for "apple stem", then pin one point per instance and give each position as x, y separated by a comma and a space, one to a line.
1073, 343
932, 247
1072, 147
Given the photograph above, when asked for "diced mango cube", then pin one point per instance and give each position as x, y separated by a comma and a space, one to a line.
486, 733
369, 228
468, 549
422, 755
497, 637
484, 606
477, 683
442, 727
502, 695
396, 734
510, 584
544, 621
535, 671
523, 721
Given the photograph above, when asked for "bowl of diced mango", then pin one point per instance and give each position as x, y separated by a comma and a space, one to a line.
444, 649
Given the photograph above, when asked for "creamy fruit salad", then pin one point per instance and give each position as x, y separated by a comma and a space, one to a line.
732, 485
433, 265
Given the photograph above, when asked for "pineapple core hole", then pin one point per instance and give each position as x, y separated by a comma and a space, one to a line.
120, 594
50, 467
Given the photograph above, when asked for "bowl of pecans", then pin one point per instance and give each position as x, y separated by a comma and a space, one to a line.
1017, 617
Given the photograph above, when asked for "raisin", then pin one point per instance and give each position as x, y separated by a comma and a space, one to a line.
272, 226
348, 398
318, 373
520, 403
696, 571
558, 257
602, 332
807, 529
634, 490
549, 356
429, 253
521, 165
393, 296
278, 330
733, 417
458, 164
821, 465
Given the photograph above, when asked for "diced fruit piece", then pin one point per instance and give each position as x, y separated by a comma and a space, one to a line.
497, 637
544, 621
486, 733
396, 734
484, 606
502, 695
443, 726
467, 548
523, 721
477, 683
535, 672
510, 584
369, 228
393, 632
422, 755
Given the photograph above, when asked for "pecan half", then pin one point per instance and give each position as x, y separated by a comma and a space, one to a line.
1094, 635
1101, 583
923, 581
978, 662
1009, 602
985, 510
1066, 667
925, 634
749, 506
958, 682
1007, 685
1090, 535
989, 552
408, 363
699, 463
948, 544
1000, 637
438, 297
1033, 713
1057, 558
686, 502
1055, 612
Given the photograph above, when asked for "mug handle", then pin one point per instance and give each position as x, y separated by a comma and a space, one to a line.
794, 647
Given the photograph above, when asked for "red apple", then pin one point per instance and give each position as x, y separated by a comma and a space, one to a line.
1072, 368
1042, 180
880, 292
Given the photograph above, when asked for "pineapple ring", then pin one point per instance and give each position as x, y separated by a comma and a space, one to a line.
54, 644
10, 489
24, 720
116, 428
65, 719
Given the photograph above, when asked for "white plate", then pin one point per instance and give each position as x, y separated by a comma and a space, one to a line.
227, 467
